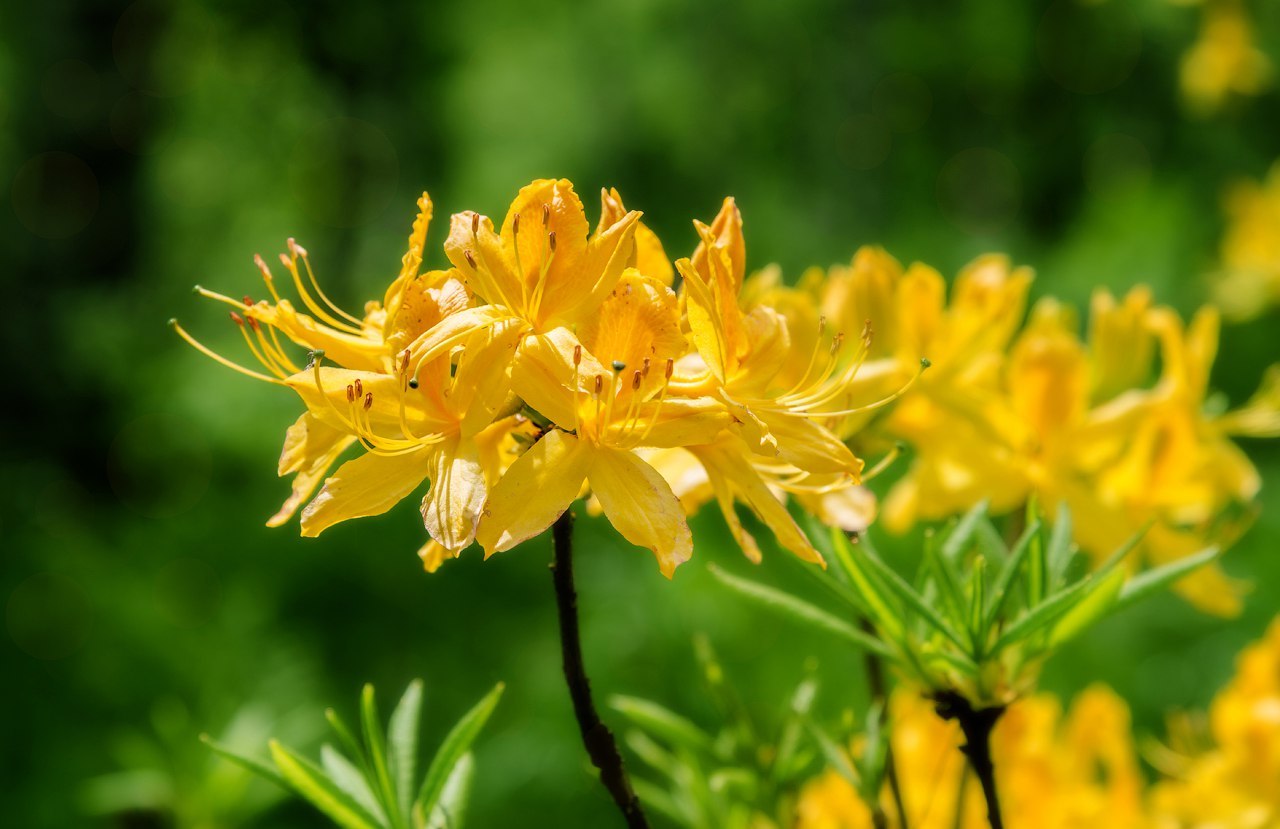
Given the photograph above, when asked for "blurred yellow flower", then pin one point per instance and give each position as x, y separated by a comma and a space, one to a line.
1248, 278
1224, 60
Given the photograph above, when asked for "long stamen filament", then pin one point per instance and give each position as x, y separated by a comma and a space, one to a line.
213, 355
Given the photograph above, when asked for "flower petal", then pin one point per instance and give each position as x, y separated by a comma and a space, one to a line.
534, 491
368, 485
641, 506
451, 508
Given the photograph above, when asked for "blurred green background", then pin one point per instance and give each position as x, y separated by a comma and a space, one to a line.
148, 147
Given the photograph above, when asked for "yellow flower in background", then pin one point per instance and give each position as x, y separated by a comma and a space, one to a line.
1054, 772
1248, 279
1224, 60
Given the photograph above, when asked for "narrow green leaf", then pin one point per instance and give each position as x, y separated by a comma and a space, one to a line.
801, 611
977, 605
958, 540
456, 743
451, 810
836, 756
350, 779
661, 722
309, 781
912, 598
947, 580
990, 542
348, 740
1061, 546
872, 592
1089, 608
376, 745
244, 761
1042, 615
659, 800
402, 743
1124, 549
1151, 581
1008, 572
648, 750
1037, 569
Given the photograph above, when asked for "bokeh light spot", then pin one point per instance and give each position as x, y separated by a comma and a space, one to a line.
55, 195
47, 616
980, 190
344, 172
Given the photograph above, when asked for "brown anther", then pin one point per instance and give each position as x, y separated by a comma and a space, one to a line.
475, 224
262, 266
236, 318
836, 341
599, 384
471, 260
404, 361
551, 238
368, 401
515, 224
248, 301
286, 261
822, 324
359, 388
635, 379
577, 355
351, 393
671, 367
296, 249
253, 323
645, 369
546, 215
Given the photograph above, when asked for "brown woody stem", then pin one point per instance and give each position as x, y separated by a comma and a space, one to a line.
596, 736
976, 724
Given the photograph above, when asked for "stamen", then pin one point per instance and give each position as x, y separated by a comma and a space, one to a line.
291, 266
213, 355
351, 393
645, 370
635, 380
267, 277
299, 250
618, 365
884, 463
471, 260
577, 362
475, 224
551, 239
368, 400
546, 215
359, 388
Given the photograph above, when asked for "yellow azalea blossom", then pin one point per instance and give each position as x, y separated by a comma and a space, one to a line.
1053, 772
1084, 422
1248, 279
1224, 60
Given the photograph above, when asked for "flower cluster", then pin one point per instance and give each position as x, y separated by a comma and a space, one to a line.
1225, 60
1115, 425
1081, 769
552, 361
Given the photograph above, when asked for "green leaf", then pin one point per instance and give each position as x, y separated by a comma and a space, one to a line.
314, 785
899, 586
1124, 549
1061, 547
947, 579
1144, 584
244, 761
451, 810
958, 540
990, 542
873, 593
345, 736
801, 611
350, 779
376, 745
977, 605
836, 756
1089, 608
456, 743
659, 800
1008, 572
402, 742
1042, 615
648, 750
662, 722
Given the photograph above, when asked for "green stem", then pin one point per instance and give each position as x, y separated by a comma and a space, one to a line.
879, 693
596, 736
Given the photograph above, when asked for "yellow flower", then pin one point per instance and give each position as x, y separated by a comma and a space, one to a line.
1077, 772
1224, 60
1248, 281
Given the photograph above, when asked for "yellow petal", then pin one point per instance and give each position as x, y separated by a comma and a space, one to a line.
806, 445
640, 505
482, 382
639, 320
311, 463
368, 485
679, 422
572, 296
326, 400
433, 554
412, 260
649, 258
451, 508
544, 375
476, 250
534, 491
422, 303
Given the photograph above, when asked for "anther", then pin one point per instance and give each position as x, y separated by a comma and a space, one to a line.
248, 301
925, 362
822, 325
475, 224
645, 369
253, 323
404, 362
671, 367
236, 318
635, 379
262, 266
546, 215
599, 384
471, 260
618, 365
295, 248
551, 238
577, 355
351, 393
515, 224
836, 342
359, 388
368, 401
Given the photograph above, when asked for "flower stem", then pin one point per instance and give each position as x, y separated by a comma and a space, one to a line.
596, 736
976, 725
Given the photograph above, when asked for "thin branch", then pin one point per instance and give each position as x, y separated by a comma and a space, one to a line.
977, 725
879, 693
596, 736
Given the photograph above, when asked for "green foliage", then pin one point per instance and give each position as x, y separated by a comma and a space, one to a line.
372, 785
981, 616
